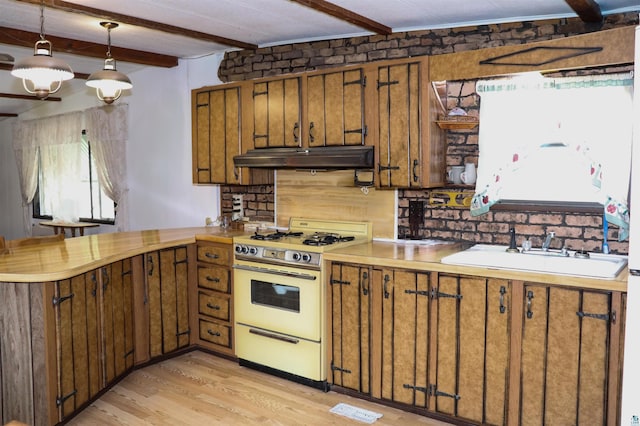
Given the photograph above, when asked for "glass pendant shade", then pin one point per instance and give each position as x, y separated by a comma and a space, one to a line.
42, 74
109, 82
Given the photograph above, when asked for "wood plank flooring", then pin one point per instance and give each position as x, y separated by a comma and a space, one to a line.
197, 388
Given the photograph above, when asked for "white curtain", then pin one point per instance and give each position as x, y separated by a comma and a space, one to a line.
57, 140
566, 139
107, 132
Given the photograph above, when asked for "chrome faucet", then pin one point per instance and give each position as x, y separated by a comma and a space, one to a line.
547, 241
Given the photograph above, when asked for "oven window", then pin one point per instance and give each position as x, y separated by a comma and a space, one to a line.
275, 295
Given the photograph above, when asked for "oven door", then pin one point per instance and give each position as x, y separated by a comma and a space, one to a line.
278, 298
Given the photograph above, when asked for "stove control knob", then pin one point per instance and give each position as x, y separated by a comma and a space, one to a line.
253, 250
238, 249
306, 257
296, 256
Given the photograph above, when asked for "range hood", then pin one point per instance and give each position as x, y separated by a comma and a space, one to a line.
328, 157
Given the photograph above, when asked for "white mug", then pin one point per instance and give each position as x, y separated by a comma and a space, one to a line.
469, 175
454, 174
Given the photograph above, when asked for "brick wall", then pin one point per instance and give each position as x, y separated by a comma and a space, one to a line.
577, 231
258, 201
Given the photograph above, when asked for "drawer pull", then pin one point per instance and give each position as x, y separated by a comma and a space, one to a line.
213, 333
212, 279
214, 307
212, 255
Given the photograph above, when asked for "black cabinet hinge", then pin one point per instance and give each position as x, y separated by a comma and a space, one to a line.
61, 399
387, 83
433, 390
435, 294
343, 370
604, 317
416, 388
182, 333
418, 292
340, 282
59, 300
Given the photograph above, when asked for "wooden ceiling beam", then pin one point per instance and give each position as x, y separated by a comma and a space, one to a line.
28, 97
84, 48
346, 15
105, 15
587, 10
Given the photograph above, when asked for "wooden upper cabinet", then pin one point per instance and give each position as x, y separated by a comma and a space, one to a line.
410, 146
216, 117
335, 108
276, 113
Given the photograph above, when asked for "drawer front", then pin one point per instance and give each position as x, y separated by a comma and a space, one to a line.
214, 278
214, 306
214, 254
215, 333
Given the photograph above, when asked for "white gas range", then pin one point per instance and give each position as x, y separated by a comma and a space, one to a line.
280, 296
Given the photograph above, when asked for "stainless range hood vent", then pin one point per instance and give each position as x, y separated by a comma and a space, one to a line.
330, 157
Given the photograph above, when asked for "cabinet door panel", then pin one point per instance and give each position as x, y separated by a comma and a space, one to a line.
117, 319
276, 113
472, 348
79, 377
534, 342
350, 327
335, 108
399, 100
593, 359
564, 356
202, 150
405, 314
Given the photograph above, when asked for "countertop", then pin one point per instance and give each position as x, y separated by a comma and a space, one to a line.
74, 256
412, 255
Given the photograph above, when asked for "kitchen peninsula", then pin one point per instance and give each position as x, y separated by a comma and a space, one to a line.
111, 279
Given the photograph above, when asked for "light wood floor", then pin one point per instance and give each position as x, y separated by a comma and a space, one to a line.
201, 389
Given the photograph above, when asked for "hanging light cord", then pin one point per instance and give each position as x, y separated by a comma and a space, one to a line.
109, 42
42, 20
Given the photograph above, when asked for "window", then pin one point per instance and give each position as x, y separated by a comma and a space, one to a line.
68, 183
564, 140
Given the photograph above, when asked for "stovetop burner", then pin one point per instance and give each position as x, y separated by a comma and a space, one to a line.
322, 239
274, 236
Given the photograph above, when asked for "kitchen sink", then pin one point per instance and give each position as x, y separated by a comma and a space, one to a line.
552, 262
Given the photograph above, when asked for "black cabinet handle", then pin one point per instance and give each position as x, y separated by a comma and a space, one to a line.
212, 255
416, 163
214, 307
529, 299
296, 132
311, 137
384, 286
212, 279
213, 333
365, 283
503, 308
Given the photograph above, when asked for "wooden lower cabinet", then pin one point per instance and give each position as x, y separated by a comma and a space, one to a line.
475, 349
569, 374
350, 316
471, 341
401, 336
167, 300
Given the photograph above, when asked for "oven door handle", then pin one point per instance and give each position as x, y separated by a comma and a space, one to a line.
274, 336
275, 272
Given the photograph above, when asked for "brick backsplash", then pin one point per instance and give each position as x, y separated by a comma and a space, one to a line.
575, 230
258, 201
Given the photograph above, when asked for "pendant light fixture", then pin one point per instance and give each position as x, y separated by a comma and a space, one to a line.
109, 82
42, 74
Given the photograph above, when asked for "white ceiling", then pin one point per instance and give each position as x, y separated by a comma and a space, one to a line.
258, 22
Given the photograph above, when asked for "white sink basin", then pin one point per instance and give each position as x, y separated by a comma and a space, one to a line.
490, 256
